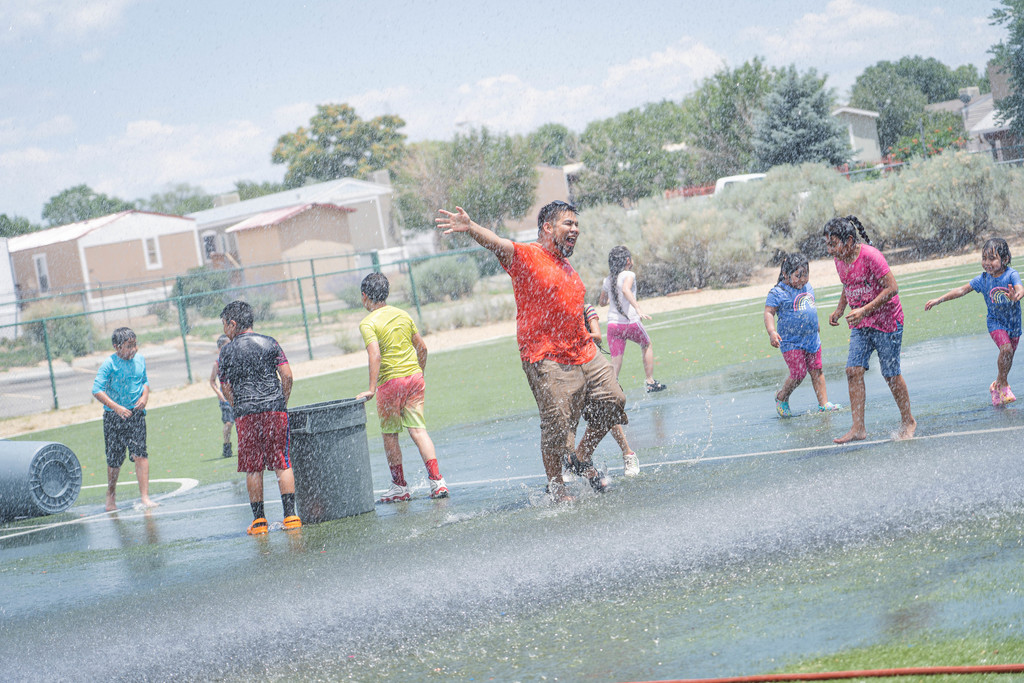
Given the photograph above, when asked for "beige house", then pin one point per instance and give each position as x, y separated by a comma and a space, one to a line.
371, 224
294, 242
862, 132
119, 260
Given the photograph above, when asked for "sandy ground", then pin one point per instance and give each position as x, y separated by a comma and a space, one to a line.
822, 274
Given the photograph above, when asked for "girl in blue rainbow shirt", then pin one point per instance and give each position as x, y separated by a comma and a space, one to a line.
1002, 289
792, 299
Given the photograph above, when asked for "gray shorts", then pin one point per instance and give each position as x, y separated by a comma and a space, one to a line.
227, 413
124, 434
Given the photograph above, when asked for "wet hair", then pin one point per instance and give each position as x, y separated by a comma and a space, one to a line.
618, 257
551, 211
121, 335
376, 287
222, 340
999, 247
792, 263
845, 227
240, 312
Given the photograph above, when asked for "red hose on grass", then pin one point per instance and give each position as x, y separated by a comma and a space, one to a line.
867, 673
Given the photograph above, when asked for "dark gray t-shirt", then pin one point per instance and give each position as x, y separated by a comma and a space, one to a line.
249, 363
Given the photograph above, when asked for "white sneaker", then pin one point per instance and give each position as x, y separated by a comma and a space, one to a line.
438, 488
632, 464
395, 494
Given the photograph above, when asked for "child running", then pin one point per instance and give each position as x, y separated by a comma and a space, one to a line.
618, 292
630, 461
875, 320
1002, 289
397, 359
227, 416
792, 299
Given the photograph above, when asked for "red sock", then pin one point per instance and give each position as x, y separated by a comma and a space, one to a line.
397, 475
432, 470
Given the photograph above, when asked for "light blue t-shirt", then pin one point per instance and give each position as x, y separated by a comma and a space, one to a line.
1003, 311
122, 380
798, 317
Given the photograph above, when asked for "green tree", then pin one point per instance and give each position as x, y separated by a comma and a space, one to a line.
179, 200
494, 177
1009, 54
795, 124
339, 144
81, 203
248, 189
11, 226
939, 131
555, 144
625, 156
718, 120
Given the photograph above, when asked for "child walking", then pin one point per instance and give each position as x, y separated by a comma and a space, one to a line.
630, 461
227, 416
875, 320
792, 299
122, 386
618, 292
1002, 289
397, 359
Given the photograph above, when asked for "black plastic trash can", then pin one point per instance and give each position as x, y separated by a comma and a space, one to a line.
330, 460
37, 478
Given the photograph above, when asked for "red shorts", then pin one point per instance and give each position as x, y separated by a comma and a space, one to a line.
1001, 338
799, 362
400, 404
263, 441
619, 334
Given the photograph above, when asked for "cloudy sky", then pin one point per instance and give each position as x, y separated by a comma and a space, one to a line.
133, 96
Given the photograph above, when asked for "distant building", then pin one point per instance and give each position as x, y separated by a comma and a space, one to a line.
862, 132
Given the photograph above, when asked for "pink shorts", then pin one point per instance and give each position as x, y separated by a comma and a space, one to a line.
263, 441
619, 334
400, 403
1001, 338
799, 361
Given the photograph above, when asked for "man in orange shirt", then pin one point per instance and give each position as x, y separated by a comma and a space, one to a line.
566, 374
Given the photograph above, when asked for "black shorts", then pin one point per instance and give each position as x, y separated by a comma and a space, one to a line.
227, 413
120, 435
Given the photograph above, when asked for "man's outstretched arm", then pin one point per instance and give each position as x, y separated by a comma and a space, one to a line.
460, 222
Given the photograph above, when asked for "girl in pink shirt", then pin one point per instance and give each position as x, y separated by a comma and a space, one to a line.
875, 320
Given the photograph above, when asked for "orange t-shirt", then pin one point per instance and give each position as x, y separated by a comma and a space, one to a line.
549, 301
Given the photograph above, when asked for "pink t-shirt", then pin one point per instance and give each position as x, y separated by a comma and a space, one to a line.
862, 282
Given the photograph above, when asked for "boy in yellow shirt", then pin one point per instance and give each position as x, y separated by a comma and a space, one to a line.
397, 358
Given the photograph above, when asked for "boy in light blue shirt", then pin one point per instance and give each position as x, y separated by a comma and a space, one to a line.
122, 387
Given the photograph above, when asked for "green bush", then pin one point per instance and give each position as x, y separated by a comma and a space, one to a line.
203, 289
68, 337
938, 205
162, 310
262, 307
444, 277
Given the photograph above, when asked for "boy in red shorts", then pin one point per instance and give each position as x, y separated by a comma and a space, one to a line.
256, 379
398, 357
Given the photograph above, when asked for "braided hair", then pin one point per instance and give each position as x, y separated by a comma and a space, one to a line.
618, 257
845, 227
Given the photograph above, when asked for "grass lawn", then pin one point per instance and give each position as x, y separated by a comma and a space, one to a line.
477, 383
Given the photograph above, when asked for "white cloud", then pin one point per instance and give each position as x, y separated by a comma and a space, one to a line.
13, 134
671, 72
61, 18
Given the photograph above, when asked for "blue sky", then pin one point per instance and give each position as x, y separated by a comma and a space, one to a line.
133, 96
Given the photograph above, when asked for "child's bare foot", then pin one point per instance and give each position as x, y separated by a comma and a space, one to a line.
906, 431
149, 503
852, 435
111, 505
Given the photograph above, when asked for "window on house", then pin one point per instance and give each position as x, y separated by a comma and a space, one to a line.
152, 252
42, 273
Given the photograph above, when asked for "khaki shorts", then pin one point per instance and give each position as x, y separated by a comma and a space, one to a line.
565, 392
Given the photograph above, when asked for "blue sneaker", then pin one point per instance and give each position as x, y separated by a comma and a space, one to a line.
782, 408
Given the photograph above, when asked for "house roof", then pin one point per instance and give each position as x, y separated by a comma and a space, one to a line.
342, 191
74, 231
855, 112
990, 124
267, 218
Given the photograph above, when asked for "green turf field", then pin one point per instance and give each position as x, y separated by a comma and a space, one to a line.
484, 381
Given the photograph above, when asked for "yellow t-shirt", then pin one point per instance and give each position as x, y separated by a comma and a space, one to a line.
392, 329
